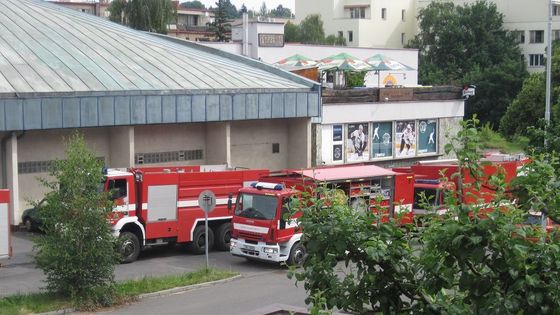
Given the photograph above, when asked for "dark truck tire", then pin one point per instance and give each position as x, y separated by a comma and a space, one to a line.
297, 255
223, 236
197, 244
129, 247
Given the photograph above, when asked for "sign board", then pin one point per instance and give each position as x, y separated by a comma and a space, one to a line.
271, 40
207, 201
396, 94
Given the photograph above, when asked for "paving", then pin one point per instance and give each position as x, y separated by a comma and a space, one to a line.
261, 287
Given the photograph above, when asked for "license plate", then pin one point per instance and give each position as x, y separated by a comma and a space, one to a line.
249, 247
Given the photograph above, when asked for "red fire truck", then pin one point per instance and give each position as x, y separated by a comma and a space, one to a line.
159, 205
5, 231
261, 233
428, 175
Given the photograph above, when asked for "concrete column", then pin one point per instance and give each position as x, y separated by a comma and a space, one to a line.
12, 176
218, 143
299, 143
121, 144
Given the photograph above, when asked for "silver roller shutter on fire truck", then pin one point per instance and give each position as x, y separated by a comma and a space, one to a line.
4, 231
162, 203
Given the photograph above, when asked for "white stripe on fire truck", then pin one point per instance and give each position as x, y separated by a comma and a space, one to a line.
123, 208
194, 203
250, 228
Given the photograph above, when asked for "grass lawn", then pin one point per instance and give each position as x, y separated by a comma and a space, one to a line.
126, 291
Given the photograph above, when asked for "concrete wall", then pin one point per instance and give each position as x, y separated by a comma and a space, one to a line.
121, 144
218, 143
299, 139
251, 144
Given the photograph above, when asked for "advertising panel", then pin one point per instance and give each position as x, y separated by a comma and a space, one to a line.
357, 148
382, 140
405, 138
427, 136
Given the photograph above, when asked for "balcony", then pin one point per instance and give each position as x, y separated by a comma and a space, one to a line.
377, 95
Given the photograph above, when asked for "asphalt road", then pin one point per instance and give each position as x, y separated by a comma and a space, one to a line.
261, 284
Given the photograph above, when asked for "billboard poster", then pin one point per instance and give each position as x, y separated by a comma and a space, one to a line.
427, 136
357, 148
337, 152
337, 133
382, 140
405, 138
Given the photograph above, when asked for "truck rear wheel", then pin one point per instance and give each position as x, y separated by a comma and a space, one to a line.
129, 247
198, 241
297, 255
223, 236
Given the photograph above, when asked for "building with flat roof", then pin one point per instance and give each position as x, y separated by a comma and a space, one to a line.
138, 99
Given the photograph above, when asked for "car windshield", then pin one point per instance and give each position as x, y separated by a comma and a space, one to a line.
256, 206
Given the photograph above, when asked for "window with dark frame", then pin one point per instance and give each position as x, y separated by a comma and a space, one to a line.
350, 36
384, 13
276, 148
536, 37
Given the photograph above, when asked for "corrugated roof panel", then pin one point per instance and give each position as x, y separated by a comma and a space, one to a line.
61, 50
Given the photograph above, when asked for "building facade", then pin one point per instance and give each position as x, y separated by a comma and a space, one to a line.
192, 24
364, 23
97, 8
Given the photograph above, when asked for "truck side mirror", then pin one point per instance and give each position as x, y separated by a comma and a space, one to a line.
229, 202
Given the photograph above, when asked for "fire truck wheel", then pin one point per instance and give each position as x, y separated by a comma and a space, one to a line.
197, 244
129, 247
297, 255
223, 236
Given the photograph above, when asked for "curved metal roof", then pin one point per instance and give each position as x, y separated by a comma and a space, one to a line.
47, 48
61, 68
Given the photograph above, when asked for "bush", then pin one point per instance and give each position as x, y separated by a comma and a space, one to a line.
77, 252
463, 262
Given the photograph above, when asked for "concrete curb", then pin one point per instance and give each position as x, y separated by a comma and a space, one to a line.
158, 293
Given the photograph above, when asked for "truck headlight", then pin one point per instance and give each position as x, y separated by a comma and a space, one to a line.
232, 244
270, 250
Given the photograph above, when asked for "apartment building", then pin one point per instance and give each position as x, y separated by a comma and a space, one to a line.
528, 19
364, 23
192, 24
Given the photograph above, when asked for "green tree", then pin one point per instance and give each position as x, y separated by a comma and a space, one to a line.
281, 12
311, 30
229, 9
263, 11
291, 32
472, 48
195, 4
461, 262
528, 107
221, 26
77, 251
334, 40
144, 15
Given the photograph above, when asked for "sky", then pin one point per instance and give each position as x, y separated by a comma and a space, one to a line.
254, 4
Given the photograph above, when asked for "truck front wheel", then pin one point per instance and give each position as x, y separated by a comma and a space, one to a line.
129, 247
223, 236
297, 255
199, 240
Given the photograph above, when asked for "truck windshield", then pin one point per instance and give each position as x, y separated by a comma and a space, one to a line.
431, 194
256, 206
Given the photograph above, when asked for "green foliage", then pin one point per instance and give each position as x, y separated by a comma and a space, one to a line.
281, 12
144, 15
77, 250
221, 26
472, 48
291, 32
528, 107
228, 9
355, 79
466, 261
195, 4
310, 31
491, 139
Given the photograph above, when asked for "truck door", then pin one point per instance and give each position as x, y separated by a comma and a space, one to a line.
159, 205
5, 233
121, 192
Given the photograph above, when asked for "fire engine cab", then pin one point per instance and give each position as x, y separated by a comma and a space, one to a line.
260, 231
159, 205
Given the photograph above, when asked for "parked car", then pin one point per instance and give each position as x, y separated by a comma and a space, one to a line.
31, 217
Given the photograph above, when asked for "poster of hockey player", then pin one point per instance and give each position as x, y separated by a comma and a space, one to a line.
357, 148
382, 140
405, 139
427, 136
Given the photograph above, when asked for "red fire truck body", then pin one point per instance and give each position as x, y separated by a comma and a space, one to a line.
259, 230
5, 229
428, 177
159, 205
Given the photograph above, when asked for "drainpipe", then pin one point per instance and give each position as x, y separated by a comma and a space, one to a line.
245, 34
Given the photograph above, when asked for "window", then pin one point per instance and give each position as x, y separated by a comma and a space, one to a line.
276, 148
340, 34
350, 36
357, 13
536, 60
556, 10
402, 38
536, 37
384, 13
519, 36
403, 14
118, 188
555, 34
166, 157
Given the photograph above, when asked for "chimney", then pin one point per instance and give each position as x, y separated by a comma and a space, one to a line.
245, 41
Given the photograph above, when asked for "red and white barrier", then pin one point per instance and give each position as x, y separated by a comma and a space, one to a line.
5, 230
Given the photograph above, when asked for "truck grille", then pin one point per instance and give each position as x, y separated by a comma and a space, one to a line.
250, 236
250, 252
